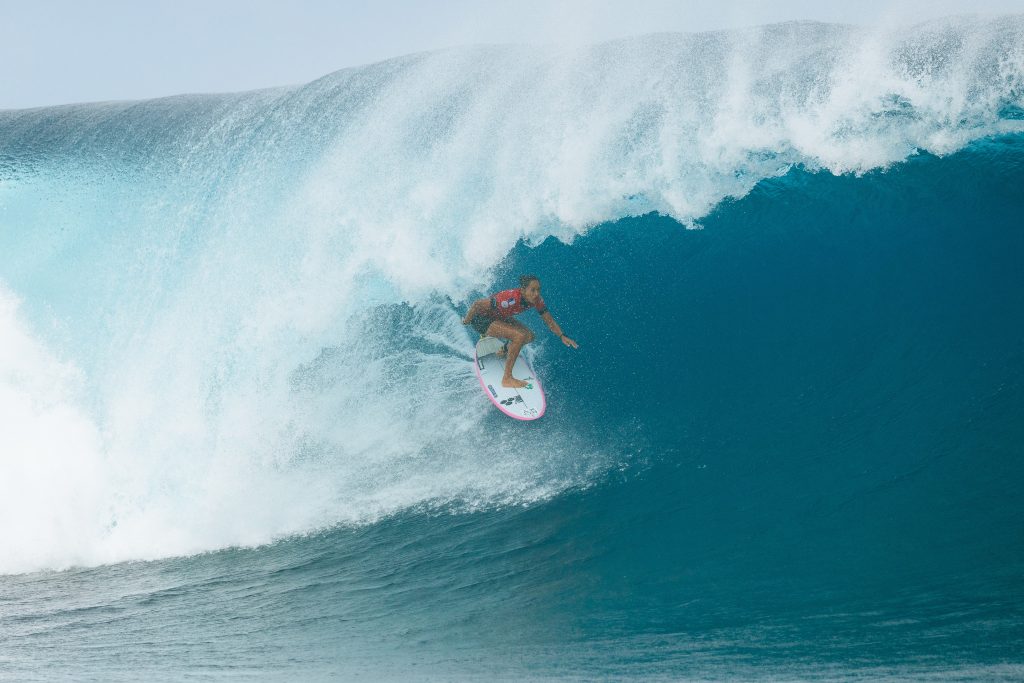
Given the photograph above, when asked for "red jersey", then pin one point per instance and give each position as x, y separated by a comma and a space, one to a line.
510, 302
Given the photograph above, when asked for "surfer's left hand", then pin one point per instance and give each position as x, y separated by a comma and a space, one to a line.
569, 342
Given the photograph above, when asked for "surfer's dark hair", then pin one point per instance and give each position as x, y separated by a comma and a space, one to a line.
525, 280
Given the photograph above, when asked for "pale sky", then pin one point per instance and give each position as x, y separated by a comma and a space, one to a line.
64, 51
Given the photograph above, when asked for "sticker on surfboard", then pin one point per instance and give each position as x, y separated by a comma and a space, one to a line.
526, 403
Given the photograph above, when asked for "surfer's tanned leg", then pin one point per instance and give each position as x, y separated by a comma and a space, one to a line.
518, 335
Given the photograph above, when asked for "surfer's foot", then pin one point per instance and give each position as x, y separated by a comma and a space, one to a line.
513, 383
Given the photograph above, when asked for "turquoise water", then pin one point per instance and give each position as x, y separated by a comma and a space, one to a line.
242, 438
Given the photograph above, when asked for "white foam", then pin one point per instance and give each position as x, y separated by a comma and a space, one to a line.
361, 431
53, 467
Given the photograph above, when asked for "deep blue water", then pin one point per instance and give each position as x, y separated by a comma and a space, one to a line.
790, 444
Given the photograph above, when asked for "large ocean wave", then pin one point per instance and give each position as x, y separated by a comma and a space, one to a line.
229, 319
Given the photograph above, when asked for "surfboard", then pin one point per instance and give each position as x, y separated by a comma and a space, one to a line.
527, 403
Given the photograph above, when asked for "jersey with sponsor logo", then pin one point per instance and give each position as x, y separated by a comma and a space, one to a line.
510, 302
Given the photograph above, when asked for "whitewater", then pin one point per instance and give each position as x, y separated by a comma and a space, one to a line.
235, 389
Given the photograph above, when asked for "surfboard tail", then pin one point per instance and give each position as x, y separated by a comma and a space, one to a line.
488, 345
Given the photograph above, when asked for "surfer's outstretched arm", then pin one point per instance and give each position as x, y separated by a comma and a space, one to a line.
553, 326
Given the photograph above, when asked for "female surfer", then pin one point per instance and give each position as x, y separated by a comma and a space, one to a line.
494, 317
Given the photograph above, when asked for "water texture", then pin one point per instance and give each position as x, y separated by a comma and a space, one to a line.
240, 435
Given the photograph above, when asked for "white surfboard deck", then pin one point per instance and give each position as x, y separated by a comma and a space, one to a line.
527, 403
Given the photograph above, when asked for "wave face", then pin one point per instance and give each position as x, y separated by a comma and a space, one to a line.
233, 321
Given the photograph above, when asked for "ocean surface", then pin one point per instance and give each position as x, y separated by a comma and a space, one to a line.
241, 437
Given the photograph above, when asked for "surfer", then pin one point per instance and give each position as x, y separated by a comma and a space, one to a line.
494, 317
